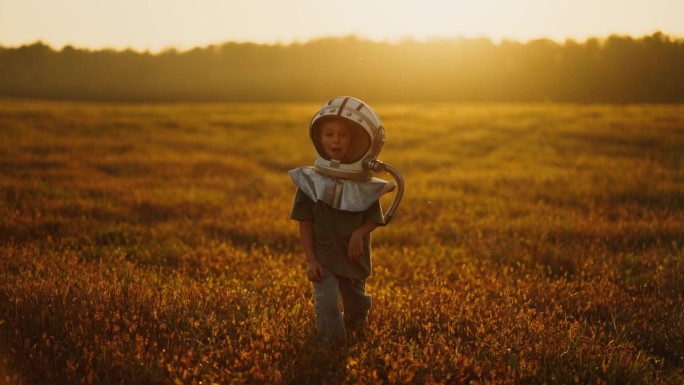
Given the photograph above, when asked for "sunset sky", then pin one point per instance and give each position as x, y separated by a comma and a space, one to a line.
183, 24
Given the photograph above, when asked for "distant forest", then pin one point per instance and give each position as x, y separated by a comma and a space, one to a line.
615, 69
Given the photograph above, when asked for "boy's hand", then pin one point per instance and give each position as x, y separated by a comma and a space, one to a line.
356, 246
314, 271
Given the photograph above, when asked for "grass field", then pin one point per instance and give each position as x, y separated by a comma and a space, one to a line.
144, 244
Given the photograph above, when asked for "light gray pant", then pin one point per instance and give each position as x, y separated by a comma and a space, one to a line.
330, 320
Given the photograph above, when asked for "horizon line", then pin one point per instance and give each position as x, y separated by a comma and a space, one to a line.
298, 41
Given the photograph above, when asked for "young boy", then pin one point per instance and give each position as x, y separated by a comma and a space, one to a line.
337, 206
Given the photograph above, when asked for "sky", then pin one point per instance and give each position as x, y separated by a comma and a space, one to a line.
156, 25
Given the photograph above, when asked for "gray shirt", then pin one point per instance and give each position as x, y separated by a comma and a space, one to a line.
332, 230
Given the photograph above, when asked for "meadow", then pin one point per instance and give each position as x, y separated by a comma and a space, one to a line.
150, 244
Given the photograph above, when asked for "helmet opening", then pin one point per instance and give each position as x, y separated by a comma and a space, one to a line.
360, 139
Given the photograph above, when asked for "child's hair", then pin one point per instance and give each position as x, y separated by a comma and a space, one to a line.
360, 139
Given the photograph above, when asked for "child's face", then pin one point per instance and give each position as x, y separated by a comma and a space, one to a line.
336, 138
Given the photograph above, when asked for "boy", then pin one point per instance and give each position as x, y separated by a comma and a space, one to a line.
337, 206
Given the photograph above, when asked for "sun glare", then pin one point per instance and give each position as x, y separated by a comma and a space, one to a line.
158, 24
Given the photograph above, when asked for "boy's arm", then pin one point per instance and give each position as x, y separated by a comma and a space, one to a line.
356, 241
314, 269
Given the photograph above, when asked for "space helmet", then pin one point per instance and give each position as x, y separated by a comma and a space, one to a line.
367, 138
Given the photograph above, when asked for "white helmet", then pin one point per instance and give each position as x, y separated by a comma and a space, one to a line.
367, 139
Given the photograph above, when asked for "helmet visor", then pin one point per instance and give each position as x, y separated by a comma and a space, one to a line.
359, 143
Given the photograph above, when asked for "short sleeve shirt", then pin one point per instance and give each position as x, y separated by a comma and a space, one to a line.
332, 231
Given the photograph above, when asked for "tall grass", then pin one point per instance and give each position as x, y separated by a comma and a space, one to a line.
150, 244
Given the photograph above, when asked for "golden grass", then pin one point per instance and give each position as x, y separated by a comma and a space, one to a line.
151, 244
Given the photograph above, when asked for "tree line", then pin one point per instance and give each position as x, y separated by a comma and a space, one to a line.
615, 69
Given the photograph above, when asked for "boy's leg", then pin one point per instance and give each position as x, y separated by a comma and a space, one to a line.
356, 303
327, 304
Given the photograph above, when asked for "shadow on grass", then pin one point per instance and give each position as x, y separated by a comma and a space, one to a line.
9, 367
316, 362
